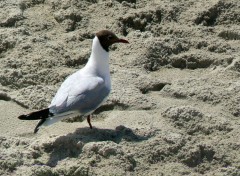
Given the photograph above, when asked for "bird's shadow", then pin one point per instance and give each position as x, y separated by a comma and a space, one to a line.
71, 145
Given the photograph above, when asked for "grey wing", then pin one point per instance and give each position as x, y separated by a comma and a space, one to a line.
84, 96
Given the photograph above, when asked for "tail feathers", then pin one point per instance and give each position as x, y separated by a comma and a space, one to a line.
53, 119
42, 114
46, 118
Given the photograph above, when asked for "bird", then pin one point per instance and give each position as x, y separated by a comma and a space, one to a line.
84, 91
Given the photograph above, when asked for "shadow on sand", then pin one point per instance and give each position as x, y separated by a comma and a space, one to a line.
71, 144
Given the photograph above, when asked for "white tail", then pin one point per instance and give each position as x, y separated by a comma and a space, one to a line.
58, 117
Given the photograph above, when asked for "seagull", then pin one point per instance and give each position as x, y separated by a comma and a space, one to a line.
83, 91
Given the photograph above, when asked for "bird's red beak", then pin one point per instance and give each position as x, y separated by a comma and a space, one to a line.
122, 41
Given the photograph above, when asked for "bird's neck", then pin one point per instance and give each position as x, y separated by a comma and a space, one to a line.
99, 59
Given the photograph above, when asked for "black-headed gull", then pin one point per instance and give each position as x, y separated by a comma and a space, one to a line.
83, 91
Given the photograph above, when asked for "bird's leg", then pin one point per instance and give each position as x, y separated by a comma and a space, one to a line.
89, 121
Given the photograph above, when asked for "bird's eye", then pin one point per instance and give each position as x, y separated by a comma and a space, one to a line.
110, 37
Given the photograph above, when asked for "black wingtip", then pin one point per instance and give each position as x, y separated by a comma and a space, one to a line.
36, 115
22, 117
38, 125
36, 130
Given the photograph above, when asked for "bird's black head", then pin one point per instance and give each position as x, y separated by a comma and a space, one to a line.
107, 38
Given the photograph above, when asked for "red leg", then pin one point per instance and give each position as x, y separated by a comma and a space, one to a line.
89, 121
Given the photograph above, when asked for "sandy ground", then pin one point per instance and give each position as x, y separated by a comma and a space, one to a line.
175, 102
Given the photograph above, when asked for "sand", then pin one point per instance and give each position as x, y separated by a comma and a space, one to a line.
174, 108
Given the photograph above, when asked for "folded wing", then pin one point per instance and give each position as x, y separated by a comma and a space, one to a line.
83, 94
